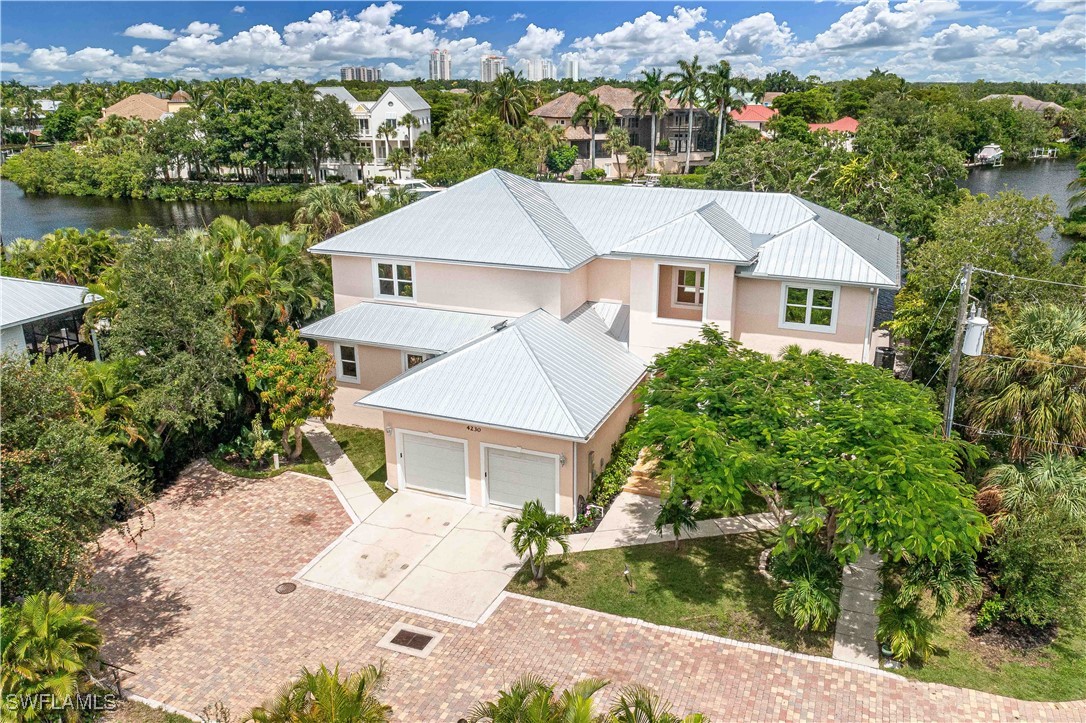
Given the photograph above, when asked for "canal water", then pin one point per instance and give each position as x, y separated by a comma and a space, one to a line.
27, 216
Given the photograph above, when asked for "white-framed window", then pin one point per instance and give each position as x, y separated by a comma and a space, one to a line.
809, 307
394, 280
414, 358
689, 287
346, 362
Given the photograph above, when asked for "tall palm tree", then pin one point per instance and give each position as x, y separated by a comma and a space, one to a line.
1049, 482
411, 122
1078, 186
508, 98
687, 89
531, 699
1037, 393
534, 529
323, 697
477, 94
47, 645
386, 131
594, 113
86, 126
651, 100
328, 210
617, 143
718, 93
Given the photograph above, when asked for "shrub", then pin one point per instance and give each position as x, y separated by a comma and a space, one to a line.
616, 473
593, 174
562, 159
812, 579
990, 612
252, 448
906, 629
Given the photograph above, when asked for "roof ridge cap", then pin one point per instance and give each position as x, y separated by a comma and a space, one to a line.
542, 372
536, 186
500, 175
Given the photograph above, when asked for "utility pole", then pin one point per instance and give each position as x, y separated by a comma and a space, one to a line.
956, 351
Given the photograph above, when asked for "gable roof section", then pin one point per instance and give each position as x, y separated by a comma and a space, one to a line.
707, 234
337, 91
139, 105
810, 252
536, 375
495, 218
878, 248
24, 300
409, 97
402, 327
564, 106
753, 114
846, 124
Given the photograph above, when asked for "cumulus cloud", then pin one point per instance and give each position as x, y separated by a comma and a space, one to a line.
239, 9
16, 47
755, 34
200, 29
536, 42
878, 24
148, 31
458, 21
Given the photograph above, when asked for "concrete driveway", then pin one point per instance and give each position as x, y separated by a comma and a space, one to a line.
435, 555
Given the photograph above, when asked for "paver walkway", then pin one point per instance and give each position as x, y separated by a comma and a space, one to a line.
854, 637
350, 484
193, 611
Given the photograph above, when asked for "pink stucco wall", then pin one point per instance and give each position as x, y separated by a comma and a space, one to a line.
485, 435
593, 455
609, 280
376, 365
757, 320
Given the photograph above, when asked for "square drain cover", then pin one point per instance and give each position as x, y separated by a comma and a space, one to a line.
411, 640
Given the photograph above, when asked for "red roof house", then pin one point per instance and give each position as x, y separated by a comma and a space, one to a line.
841, 125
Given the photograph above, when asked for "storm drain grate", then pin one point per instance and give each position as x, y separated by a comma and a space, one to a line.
411, 640
284, 588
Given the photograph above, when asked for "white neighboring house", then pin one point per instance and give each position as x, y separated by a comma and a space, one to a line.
369, 116
40, 317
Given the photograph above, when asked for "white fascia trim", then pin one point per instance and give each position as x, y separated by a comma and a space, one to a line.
362, 403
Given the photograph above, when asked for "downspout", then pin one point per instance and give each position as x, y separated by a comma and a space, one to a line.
867, 329
574, 518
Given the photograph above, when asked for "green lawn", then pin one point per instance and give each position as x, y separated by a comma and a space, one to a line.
129, 711
366, 449
1056, 672
308, 463
710, 585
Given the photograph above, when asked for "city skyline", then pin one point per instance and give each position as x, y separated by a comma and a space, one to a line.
932, 40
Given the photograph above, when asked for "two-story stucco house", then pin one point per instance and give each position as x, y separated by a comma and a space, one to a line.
496, 331
370, 116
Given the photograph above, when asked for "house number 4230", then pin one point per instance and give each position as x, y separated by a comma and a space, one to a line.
474, 429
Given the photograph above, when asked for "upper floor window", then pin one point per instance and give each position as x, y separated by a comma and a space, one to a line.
689, 287
363, 126
413, 359
810, 308
394, 280
392, 122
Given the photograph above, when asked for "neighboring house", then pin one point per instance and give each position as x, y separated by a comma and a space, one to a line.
496, 331
369, 116
39, 317
845, 128
671, 128
1027, 103
147, 107
769, 96
754, 116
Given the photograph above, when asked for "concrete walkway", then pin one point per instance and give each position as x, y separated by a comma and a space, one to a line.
632, 517
854, 638
351, 487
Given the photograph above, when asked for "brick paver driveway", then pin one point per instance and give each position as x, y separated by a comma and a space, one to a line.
192, 611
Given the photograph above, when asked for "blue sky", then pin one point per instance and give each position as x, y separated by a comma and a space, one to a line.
45, 42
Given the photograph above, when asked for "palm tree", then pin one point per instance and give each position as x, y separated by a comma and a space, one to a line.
386, 131
86, 126
1035, 388
718, 93
328, 210
109, 398
1078, 186
411, 122
47, 645
638, 160
397, 159
650, 100
530, 698
677, 515
477, 94
323, 697
534, 529
508, 98
388, 201
686, 90
594, 113
638, 704
1050, 482
617, 143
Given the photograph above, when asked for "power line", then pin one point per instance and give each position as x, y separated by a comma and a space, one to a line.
993, 433
1027, 278
1034, 361
916, 354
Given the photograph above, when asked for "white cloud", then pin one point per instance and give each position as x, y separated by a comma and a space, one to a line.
149, 31
961, 41
1060, 6
877, 24
536, 42
16, 47
458, 21
515, 17
199, 29
239, 9
752, 35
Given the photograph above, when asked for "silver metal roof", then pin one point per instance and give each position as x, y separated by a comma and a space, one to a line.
402, 327
603, 317
499, 219
338, 91
409, 97
23, 300
538, 375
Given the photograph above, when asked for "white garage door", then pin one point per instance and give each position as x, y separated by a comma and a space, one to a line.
513, 478
433, 464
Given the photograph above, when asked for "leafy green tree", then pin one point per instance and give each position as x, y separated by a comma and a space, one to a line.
62, 480
651, 100
46, 645
594, 113
687, 89
813, 106
789, 127
294, 382
322, 696
561, 159
534, 529
168, 318
530, 698
61, 126
1034, 387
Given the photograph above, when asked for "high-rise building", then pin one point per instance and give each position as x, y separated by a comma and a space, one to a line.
541, 69
490, 67
359, 72
440, 64
573, 67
